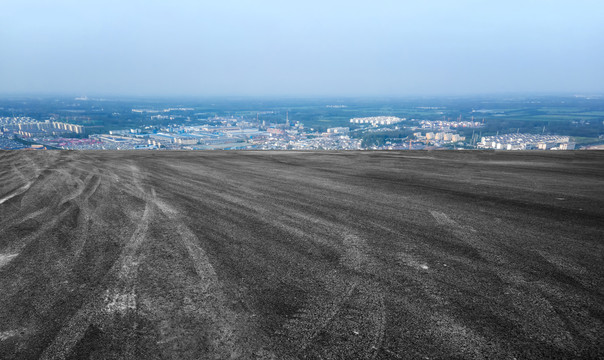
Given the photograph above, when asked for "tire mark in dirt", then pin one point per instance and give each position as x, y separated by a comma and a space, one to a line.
225, 322
92, 184
566, 265
381, 328
20, 173
350, 312
38, 189
409, 256
35, 168
469, 236
309, 322
29, 181
462, 341
18, 217
323, 313
323, 310
355, 255
443, 219
370, 297
6, 258
4, 335
80, 186
80, 196
119, 298
16, 192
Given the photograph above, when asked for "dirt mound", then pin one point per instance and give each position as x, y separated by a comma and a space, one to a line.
277, 255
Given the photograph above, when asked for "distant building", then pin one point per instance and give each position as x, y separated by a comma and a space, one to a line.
78, 129
545, 145
567, 146
519, 141
377, 120
443, 136
338, 130
274, 131
186, 140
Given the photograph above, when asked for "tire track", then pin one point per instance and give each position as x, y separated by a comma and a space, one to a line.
29, 181
381, 327
16, 192
443, 219
121, 297
86, 215
341, 280
309, 322
6, 258
370, 298
351, 314
80, 186
50, 211
118, 299
85, 191
48, 221
225, 324
469, 236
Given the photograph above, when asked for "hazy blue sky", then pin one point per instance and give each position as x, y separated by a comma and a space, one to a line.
310, 47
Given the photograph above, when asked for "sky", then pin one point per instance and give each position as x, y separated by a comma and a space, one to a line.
301, 48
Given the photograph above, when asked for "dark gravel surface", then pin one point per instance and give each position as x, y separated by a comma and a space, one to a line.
311, 255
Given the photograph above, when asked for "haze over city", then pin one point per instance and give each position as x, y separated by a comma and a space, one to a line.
310, 48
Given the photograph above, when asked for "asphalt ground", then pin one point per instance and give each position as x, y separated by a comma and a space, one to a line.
310, 255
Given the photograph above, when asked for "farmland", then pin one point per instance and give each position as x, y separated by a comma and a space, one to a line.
286, 255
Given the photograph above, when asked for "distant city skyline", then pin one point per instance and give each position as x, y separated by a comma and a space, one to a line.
311, 48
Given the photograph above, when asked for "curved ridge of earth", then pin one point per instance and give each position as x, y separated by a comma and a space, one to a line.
301, 255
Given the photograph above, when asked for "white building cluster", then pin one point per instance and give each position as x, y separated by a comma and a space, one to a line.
441, 124
439, 136
377, 120
526, 142
28, 127
77, 129
338, 130
16, 120
342, 142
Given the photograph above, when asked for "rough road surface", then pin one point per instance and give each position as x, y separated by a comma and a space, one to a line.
287, 255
